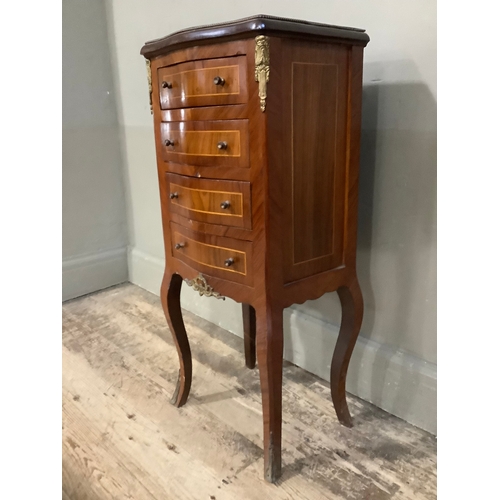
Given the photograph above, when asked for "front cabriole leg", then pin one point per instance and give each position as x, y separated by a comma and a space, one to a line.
171, 301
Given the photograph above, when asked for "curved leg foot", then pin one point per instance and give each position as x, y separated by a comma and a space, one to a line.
249, 334
171, 302
352, 316
270, 358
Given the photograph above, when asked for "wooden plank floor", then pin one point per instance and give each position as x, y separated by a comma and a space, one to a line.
122, 439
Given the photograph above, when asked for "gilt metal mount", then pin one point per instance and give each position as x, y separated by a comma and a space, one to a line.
262, 61
150, 85
200, 285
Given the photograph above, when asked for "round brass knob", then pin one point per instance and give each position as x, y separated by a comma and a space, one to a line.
174, 195
225, 204
166, 85
178, 246
219, 81
229, 262
168, 142
222, 145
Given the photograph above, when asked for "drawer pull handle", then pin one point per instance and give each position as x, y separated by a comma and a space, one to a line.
168, 142
225, 204
229, 262
219, 81
222, 145
174, 195
178, 246
166, 85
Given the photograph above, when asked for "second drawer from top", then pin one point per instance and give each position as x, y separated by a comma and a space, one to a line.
206, 143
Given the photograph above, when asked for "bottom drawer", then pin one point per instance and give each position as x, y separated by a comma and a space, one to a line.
224, 258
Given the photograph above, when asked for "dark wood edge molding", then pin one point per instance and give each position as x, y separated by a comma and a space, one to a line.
252, 26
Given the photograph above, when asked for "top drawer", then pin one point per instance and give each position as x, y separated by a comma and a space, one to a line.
209, 82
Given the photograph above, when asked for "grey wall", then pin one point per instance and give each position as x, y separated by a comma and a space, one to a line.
394, 361
94, 217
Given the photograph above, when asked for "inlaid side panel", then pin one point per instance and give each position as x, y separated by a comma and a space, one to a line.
314, 141
314, 110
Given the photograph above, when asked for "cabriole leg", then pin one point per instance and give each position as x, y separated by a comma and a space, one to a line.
352, 316
171, 302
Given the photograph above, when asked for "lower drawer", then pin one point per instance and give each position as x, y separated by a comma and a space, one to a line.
217, 256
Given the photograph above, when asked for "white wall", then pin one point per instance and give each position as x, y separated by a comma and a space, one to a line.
94, 217
394, 362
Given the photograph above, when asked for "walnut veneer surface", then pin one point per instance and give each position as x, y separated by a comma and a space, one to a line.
257, 127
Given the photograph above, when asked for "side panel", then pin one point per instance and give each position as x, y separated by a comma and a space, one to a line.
314, 121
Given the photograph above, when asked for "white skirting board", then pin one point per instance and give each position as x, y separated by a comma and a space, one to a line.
89, 273
400, 383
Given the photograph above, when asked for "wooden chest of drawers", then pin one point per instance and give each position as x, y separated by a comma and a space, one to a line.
257, 126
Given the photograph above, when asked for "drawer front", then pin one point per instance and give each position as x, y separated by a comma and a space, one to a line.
206, 143
224, 258
203, 83
212, 201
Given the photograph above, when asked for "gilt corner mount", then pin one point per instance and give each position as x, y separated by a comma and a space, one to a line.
262, 62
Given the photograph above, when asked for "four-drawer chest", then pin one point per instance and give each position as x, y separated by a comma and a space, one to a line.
257, 126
